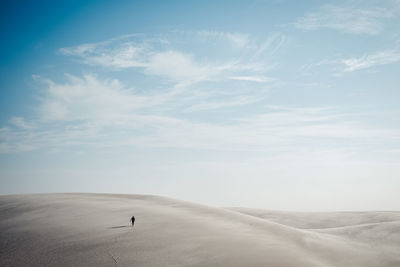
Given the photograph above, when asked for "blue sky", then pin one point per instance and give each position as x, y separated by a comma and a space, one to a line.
272, 104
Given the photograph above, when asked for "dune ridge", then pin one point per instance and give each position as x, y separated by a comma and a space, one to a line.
93, 230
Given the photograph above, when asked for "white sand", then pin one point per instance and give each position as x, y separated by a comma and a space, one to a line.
94, 230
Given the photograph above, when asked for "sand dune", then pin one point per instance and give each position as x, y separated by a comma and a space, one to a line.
319, 220
94, 230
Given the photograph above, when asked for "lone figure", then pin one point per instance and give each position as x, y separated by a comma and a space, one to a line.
133, 220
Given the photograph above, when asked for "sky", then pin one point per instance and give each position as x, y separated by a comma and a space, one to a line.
279, 104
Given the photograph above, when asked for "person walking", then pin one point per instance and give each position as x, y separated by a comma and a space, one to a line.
133, 220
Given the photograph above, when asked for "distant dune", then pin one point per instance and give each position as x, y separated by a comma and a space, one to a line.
94, 230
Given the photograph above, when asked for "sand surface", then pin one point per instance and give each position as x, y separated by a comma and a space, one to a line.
94, 230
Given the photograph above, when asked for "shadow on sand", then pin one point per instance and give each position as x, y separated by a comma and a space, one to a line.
121, 226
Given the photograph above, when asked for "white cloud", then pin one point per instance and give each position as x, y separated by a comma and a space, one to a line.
125, 55
20, 123
14, 140
356, 63
172, 64
270, 46
350, 19
259, 79
280, 131
163, 55
238, 40
87, 98
178, 66
368, 61
227, 103
108, 102
89, 111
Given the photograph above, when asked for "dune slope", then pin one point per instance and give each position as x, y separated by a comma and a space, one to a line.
94, 230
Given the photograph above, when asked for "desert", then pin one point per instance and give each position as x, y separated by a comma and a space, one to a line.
72, 229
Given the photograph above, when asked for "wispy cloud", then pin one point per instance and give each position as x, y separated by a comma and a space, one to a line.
342, 65
86, 98
179, 66
238, 40
227, 103
258, 79
20, 123
105, 54
163, 55
91, 112
272, 44
172, 64
346, 18
372, 60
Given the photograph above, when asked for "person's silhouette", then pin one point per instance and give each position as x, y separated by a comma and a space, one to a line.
133, 220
